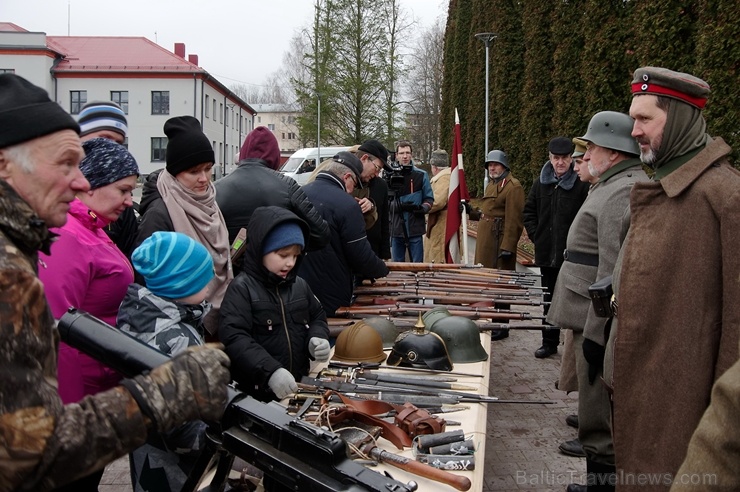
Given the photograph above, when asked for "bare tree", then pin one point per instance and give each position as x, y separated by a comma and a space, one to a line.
424, 90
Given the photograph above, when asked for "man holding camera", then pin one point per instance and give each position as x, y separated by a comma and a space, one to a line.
413, 200
46, 444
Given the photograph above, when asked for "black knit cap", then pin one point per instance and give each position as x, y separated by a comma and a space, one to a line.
26, 112
187, 145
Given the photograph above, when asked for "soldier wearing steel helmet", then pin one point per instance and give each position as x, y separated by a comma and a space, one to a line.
500, 220
592, 247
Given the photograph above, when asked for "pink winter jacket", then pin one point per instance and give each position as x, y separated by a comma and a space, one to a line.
86, 271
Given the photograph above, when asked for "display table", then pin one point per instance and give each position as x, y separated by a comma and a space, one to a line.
473, 423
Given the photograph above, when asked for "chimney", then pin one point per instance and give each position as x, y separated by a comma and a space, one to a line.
180, 50
193, 59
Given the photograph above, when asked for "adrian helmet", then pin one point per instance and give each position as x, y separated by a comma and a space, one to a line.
359, 343
420, 350
462, 338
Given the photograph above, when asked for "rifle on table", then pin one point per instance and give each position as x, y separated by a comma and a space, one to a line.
414, 309
338, 325
293, 454
363, 299
363, 388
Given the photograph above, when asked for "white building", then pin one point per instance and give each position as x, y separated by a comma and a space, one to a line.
150, 83
280, 119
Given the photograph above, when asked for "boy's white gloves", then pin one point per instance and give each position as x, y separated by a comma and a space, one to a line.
319, 349
282, 383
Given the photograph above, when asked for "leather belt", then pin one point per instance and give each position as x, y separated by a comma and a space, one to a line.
581, 258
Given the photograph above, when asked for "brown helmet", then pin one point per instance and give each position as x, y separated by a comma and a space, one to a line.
359, 343
386, 328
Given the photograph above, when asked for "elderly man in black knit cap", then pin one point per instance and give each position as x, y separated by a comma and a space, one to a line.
676, 282
46, 444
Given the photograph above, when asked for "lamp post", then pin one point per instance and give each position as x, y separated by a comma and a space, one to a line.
487, 38
318, 130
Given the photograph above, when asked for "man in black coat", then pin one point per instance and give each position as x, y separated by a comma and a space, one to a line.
329, 271
256, 183
551, 206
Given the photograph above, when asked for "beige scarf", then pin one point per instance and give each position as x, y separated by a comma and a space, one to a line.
199, 217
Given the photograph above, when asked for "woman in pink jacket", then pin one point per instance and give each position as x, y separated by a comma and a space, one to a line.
85, 269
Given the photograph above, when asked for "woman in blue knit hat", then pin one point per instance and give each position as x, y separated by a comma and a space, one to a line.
168, 315
86, 270
271, 323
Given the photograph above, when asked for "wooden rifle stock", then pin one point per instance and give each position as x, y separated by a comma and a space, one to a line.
458, 482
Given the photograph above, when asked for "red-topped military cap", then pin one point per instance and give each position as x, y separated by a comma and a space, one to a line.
677, 85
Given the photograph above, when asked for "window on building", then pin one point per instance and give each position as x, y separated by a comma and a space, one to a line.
7, 70
159, 148
259, 119
227, 117
271, 127
291, 136
160, 102
77, 99
214, 110
221, 115
208, 105
120, 98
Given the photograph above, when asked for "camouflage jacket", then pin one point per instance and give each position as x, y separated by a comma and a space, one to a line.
44, 444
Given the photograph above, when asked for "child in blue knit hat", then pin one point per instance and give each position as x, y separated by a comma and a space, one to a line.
271, 323
168, 315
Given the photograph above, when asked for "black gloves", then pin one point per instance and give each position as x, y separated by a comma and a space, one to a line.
464, 207
594, 354
412, 207
505, 255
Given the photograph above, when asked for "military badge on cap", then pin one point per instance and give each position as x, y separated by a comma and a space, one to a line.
677, 85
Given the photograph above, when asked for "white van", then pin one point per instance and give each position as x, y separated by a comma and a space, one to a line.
302, 163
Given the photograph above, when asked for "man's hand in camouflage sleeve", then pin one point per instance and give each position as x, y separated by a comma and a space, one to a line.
191, 386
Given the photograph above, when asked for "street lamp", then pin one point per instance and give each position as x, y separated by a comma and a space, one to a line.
487, 38
318, 130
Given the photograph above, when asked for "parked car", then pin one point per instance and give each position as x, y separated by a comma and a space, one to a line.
302, 163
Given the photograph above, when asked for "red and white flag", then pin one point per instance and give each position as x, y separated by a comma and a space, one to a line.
458, 192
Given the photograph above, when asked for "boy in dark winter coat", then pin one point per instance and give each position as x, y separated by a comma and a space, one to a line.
168, 315
271, 322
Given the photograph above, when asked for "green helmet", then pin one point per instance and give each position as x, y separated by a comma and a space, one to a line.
462, 338
612, 130
433, 315
386, 328
497, 156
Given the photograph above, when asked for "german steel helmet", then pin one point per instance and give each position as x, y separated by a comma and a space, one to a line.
612, 130
434, 314
462, 338
497, 156
359, 343
386, 328
419, 349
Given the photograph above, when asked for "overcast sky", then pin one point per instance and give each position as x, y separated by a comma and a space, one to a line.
238, 41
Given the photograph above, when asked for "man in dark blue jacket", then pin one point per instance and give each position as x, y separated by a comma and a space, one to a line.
329, 271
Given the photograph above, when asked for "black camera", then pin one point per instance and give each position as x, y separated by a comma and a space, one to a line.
395, 175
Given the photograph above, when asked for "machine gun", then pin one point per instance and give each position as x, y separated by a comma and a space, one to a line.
293, 454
